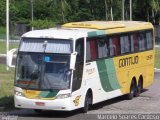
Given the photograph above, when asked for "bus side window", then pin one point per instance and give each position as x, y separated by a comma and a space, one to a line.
122, 42
91, 49
149, 38
78, 72
132, 43
125, 44
102, 48
135, 39
141, 41
116, 44
111, 47
88, 55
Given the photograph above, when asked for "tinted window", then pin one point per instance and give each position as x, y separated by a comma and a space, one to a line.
149, 39
125, 44
141, 41
111, 47
134, 42
103, 50
91, 50
116, 45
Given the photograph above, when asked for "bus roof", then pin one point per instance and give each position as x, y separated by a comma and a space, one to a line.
77, 30
105, 25
58, 33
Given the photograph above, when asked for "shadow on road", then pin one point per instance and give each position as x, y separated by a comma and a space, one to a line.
44, 114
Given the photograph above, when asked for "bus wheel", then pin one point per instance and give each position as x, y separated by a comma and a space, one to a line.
140, 87
132, 92
86, 104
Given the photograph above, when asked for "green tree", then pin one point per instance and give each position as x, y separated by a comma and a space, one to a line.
64, 8
147, 10
2, 12
19, 10
108, 9
155, 8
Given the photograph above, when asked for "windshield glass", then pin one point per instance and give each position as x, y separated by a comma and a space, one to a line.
42, 71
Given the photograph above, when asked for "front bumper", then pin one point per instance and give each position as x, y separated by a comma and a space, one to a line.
56, 104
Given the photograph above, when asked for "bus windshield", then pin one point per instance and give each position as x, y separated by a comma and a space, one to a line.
42, 71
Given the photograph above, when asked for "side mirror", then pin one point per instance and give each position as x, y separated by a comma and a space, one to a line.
73, 61
10, 56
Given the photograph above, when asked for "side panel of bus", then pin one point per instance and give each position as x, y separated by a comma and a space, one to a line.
111, 65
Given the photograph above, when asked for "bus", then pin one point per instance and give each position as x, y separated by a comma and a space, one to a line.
83, 63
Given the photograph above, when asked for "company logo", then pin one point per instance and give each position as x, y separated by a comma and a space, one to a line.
77, 99
90, 71
128, 61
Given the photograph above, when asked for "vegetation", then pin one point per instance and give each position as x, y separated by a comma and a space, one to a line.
157, 58
3, 47
6, 82
6, 87
49, 13
40, 24
61, 11
2, 32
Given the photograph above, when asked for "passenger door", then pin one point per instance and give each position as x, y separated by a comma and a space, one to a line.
78, 72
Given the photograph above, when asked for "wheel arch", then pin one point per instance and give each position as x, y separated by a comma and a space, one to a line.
90, 94
141, 79
134, 80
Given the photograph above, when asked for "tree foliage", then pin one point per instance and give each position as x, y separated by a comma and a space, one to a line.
61, 11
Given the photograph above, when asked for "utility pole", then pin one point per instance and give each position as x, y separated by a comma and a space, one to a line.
32, 14
130, 10
7, 32
123, 2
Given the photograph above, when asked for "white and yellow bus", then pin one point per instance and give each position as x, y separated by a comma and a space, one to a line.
83, 63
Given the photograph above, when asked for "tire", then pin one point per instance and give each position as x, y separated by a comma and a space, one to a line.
132, 92
38, 111
86, 104
140, 87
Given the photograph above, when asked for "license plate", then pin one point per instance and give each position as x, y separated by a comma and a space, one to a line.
40, 103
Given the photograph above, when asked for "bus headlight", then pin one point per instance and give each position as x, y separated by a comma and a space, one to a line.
19, 93
62, 96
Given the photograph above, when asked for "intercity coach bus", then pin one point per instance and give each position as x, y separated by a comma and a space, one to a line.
83, 63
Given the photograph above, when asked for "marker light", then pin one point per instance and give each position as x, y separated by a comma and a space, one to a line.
62, 96
19, 93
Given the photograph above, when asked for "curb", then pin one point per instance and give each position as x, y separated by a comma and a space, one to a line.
4, 55
156, 70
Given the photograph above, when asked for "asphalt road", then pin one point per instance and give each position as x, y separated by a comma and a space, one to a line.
147, 102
